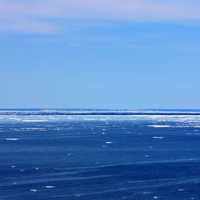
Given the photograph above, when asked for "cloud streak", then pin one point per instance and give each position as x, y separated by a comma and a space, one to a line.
39, 15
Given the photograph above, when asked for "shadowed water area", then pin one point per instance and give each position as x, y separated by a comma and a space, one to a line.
99, 157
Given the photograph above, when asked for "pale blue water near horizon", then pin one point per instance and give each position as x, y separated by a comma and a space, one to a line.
99, 154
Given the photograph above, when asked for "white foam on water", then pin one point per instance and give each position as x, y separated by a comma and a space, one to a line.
77, 195
49, 186
159, 126
181, 121
33, 190
11, 139
158, 137
185, 125
34, 120
108, 142
34, 129
146, 192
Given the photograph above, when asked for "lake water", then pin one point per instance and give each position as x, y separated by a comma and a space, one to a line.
99, 155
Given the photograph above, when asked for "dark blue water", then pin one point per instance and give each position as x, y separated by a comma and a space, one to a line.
99, 157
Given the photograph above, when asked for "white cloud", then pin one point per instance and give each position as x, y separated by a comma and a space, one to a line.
37, 15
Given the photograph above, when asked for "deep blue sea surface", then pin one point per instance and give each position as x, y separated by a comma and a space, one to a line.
99, 155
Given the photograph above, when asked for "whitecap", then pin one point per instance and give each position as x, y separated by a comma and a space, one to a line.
108, 142
34, 120
12, 139
33, 190
158, 137
49, 186
159, 126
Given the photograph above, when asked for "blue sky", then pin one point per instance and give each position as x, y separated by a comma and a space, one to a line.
99, 54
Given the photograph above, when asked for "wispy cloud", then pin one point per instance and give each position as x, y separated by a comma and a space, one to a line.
38, 15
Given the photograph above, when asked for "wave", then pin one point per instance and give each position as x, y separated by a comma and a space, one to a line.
160, 126
149, 118
99, 183
98, 112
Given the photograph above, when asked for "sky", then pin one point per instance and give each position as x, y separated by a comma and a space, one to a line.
99, 54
